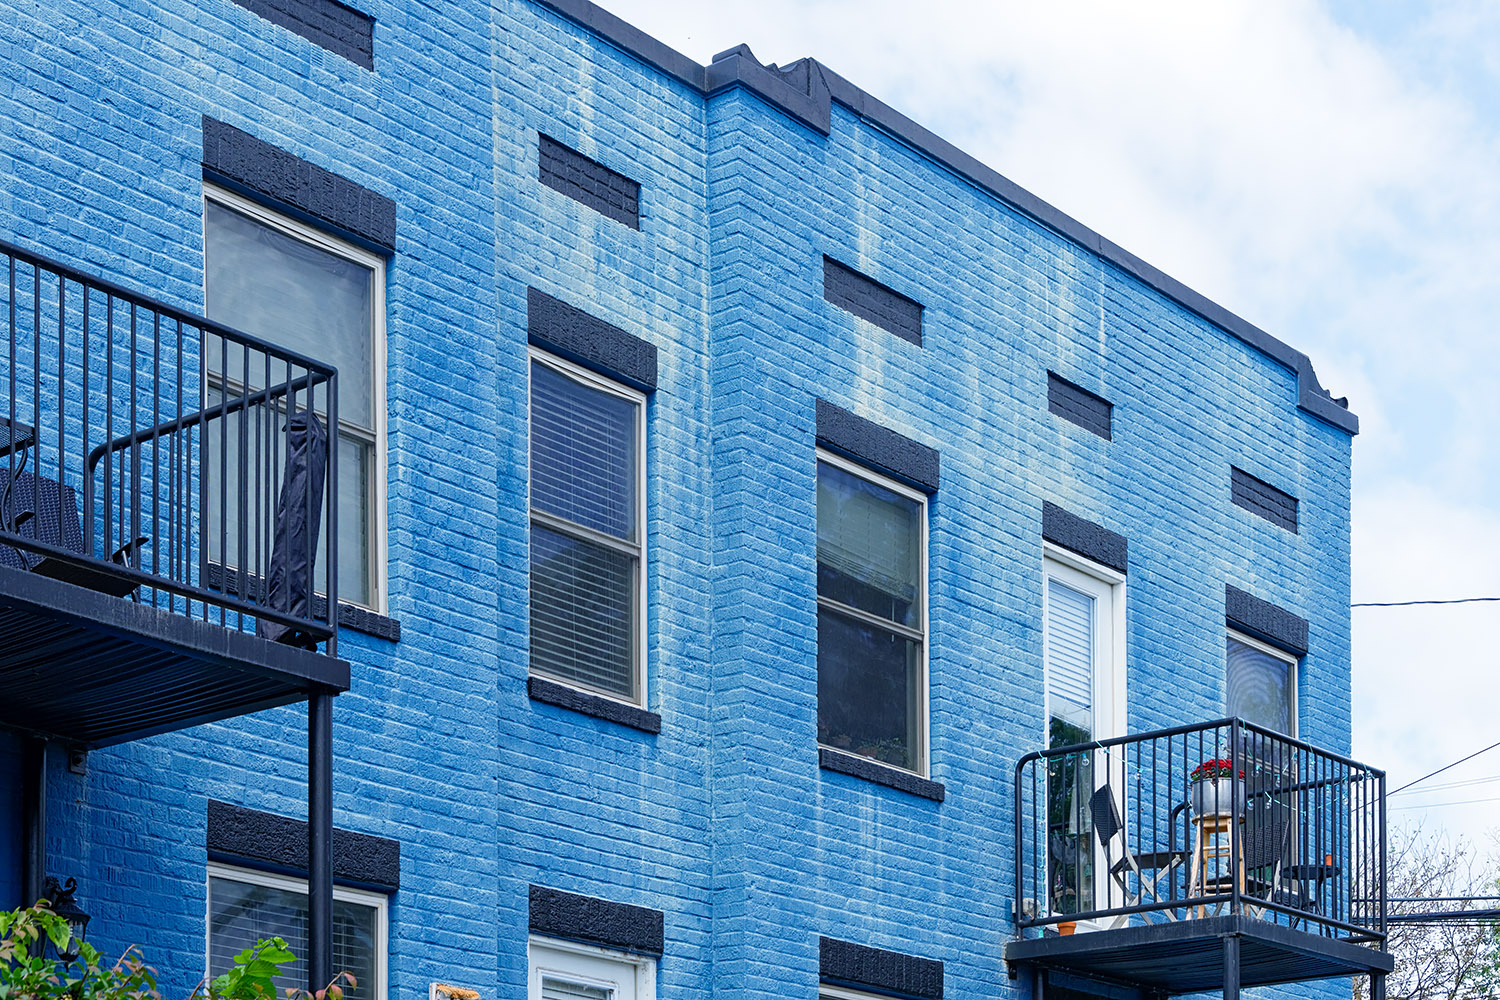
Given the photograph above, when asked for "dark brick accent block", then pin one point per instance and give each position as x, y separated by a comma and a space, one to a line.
566, 915
244, 161
1260, 497
867, 442
870, 300
550, 693
1086, 538
265, 840
341, 30
861, 967
573, 334
1265, 621
1077, 405
880, 774
589, 182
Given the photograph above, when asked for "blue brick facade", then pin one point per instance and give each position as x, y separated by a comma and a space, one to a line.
723, 820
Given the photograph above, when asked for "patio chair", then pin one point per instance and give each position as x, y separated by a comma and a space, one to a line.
1122, 862
46, 511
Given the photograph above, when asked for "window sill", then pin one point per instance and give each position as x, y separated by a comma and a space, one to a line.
880, 774
552, 693
351, 616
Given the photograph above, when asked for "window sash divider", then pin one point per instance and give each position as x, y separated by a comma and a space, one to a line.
905, 631
565, 527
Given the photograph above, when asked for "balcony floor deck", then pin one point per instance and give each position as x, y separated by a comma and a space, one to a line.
94, 670
1187, 956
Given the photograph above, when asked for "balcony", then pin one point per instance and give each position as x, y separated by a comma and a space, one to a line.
1136, 879
162, 496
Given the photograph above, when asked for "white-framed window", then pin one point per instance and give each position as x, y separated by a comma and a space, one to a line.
1083, 656
298, 287
872, 615
826, 992
1260, 683
245, 906
562, 970
588, 530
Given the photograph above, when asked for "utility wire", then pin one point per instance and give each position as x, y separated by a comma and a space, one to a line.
1445, 767
1408, 604
1439, 805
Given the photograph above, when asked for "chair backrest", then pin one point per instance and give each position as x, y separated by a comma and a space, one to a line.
54, 516
1105, 814
1268, 824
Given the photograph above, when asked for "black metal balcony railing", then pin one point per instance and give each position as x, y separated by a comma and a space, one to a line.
154, 454
1109, 833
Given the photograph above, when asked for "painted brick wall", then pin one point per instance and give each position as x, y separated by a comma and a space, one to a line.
723, 821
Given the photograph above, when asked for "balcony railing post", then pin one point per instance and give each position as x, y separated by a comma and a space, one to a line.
1237, 790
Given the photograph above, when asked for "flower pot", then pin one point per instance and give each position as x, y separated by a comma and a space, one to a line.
1218, 796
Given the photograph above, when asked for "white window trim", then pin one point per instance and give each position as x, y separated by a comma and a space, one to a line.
536, 959
1293, 673
596, 381
1103, 582
250, 876
342, 248
924, 688
826, 992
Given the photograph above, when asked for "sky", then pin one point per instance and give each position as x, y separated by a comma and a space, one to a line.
1328, 171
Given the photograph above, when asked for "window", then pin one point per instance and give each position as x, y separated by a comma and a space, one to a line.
1083, 656
872, 616
301, 289
245, 906
1260, 684
561, 970
587, 531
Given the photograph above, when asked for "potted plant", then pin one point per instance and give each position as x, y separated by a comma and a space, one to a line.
1216, 790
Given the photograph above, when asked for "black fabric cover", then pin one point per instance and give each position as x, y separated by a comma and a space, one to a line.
294, 552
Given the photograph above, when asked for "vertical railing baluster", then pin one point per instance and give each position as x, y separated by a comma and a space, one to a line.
88, 513
155, 455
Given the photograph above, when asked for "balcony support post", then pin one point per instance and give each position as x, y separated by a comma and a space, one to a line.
1039, 983
1231, 967
1377, 986
34, 809
319, 840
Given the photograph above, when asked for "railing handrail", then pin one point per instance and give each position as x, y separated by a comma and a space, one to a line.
1224, 723
166, 309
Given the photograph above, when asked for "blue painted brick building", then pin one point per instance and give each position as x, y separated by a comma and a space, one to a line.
801, 303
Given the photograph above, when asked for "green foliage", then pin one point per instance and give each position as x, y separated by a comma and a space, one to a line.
27, 974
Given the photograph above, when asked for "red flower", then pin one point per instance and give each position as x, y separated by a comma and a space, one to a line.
1210, 770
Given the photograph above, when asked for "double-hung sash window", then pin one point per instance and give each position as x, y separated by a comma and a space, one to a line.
301, 289
587, 530
1260, 684
872, 616
562, 970
247, 906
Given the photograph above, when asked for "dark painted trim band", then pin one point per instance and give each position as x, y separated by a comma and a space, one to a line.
880, 774
1265, 621
567, 915
338, 28
588, 182
1077, 405
1086, 538
551, 693
798, 91
858, 293
844, 963
879, 447
255, 839
571, 333
260, 170
1262, 499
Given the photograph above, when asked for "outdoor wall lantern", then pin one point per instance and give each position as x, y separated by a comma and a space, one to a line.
60, 895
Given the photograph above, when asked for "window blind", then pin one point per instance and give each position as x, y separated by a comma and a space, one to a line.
582, 454
562, 989
1070, 652
870, 539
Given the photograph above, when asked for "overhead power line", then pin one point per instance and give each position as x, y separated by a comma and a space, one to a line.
1445, 767
1408, 604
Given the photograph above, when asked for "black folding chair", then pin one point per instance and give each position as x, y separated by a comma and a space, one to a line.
1111, 831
